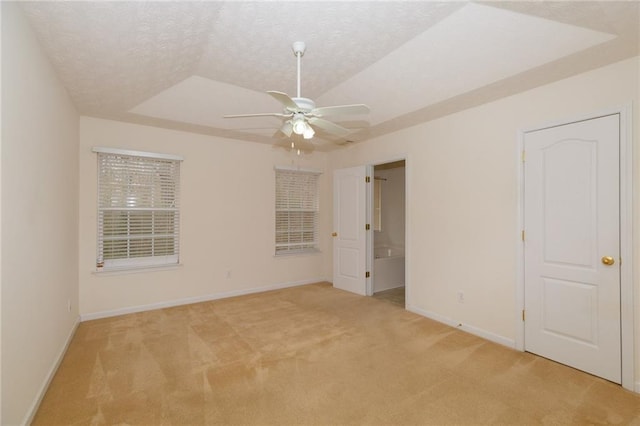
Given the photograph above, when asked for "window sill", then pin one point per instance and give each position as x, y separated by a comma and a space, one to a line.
138, 270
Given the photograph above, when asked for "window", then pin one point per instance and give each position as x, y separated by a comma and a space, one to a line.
296, 211
138, 209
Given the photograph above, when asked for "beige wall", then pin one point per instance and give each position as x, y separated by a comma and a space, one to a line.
462, 195
227, 221
39, 218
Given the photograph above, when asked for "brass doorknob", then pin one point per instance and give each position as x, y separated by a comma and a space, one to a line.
334, 234
608, 260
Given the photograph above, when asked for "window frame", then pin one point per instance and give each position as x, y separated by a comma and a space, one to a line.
153, 165
305, 245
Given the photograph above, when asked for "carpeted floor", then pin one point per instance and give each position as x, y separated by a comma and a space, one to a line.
312, 355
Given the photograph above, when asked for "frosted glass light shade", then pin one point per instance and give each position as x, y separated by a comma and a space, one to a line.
308, 133
299, 126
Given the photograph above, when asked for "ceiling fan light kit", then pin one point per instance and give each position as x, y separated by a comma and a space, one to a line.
299, 125
308, 133
302, 114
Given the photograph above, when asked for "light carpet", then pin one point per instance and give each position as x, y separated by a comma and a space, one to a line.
312, 355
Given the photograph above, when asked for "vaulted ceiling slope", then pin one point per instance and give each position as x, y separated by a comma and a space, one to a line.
183, 65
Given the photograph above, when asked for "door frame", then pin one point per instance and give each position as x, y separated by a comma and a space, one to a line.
626, 237
369, 219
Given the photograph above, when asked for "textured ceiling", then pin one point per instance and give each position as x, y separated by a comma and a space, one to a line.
185, 64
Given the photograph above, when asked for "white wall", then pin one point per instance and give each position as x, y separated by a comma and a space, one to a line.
227, 221
462, 196
39, 218
393, 208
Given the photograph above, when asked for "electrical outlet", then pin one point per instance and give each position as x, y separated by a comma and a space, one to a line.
69, 305
460, 297
228, 274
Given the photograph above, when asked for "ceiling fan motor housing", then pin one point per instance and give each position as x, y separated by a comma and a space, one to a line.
305, 105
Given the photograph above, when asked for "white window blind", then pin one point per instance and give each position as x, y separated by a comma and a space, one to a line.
138, 210
297, 210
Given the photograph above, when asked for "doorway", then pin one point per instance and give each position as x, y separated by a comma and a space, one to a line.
574, 208
388, 237
358, 230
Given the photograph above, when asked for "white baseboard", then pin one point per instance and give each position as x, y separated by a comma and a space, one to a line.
190, 300
31, 412
510, 343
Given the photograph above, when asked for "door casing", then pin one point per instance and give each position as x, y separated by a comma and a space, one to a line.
626, 238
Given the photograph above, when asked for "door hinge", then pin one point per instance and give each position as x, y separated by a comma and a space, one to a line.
367, 179
523, 315
367, 274
522, 234
367, 227
523, 156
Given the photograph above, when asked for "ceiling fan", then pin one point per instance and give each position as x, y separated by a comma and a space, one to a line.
301, 113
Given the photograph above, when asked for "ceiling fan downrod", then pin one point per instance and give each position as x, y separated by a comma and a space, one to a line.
298, 49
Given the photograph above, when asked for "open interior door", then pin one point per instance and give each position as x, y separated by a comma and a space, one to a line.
350, 235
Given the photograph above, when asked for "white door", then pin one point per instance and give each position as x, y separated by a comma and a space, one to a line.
572, 245
349, 234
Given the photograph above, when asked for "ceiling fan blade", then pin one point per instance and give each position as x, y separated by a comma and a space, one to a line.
284, 99
341, 110
264, 114
354, 124
329, 127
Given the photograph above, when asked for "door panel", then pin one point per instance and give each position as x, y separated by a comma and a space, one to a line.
569, 214
570, 309
349, 218
572, 299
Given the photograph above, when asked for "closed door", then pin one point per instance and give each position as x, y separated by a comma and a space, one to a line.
572, 245
349, 236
